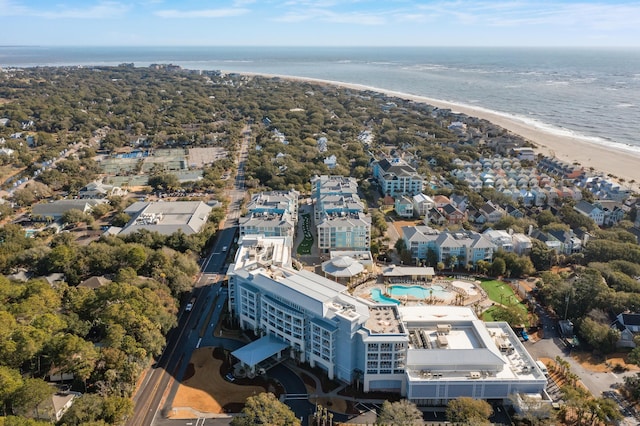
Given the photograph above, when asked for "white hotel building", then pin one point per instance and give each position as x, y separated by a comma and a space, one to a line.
428, 354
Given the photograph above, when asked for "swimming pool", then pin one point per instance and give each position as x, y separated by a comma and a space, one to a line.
377, 296
415, 291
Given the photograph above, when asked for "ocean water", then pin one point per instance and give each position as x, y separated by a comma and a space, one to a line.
593, 94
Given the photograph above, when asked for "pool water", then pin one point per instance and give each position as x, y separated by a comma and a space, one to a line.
416, 291
377, 296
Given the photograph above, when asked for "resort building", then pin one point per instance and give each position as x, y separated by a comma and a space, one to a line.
275, 202
268, 224
428, 354
344, 231
340, 221
396, 177
452, 248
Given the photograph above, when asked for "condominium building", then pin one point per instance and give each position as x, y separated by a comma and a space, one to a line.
273, 214
344, 231
275, 202
428, 354
396, 177
452, 248
340, 221
269, 224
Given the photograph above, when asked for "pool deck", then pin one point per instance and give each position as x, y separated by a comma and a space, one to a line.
470, 291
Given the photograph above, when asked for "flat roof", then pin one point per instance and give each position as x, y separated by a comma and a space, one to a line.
259, 350
384, 319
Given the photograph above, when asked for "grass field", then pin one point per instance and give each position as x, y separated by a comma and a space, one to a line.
307, 240
501, 293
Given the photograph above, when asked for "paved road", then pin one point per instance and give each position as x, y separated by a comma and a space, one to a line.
552, 346
163, 379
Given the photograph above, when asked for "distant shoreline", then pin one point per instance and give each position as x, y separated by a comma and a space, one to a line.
620, 164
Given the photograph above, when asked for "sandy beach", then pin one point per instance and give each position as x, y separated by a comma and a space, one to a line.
620, 164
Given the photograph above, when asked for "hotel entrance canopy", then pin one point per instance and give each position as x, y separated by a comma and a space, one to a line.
256, 352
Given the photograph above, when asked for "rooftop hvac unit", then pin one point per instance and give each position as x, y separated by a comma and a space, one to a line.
443, 328
474, 375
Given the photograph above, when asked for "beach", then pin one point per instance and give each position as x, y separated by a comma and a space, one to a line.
621, 165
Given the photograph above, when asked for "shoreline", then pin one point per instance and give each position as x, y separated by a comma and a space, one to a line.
621, 165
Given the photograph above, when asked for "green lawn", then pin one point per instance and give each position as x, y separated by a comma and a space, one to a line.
307, 240
501, 293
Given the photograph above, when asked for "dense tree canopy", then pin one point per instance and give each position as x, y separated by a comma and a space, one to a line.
469, 411
400, 413
265, 409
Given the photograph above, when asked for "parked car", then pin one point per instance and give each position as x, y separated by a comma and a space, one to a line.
525, 335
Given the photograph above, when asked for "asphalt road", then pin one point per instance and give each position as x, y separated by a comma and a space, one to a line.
161, 381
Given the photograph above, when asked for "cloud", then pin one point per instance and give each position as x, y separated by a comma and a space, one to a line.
11, 8
598, 15
102, 10
205, 13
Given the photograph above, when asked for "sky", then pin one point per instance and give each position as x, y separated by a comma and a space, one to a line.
319, 23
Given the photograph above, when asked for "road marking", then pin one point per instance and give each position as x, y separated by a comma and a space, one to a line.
199, 341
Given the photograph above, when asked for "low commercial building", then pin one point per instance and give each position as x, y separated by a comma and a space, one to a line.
167, 217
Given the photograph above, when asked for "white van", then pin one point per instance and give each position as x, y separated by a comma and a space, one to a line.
543, 367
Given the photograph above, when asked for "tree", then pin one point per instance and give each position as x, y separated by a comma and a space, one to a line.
94, 409
511, 314
469, 411
599, 336
402, 413
31, 396
10, 381
498, 267
265, 409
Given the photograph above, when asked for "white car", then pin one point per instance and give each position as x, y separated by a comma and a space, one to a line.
224, 249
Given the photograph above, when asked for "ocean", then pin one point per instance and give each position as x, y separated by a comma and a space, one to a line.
590, 93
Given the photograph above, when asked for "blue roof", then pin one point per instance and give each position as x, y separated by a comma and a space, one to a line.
256, 352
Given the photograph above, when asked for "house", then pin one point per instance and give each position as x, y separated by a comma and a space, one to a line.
452, 214
441, 201
100, 190
403, 206
55, 210
502, 239
591, 211
629, 325
94, 282
492, 212
435, 216
570, 243
524, 154
422, 204
461, 202
522, 244
54, 408
331, 162
513, 211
